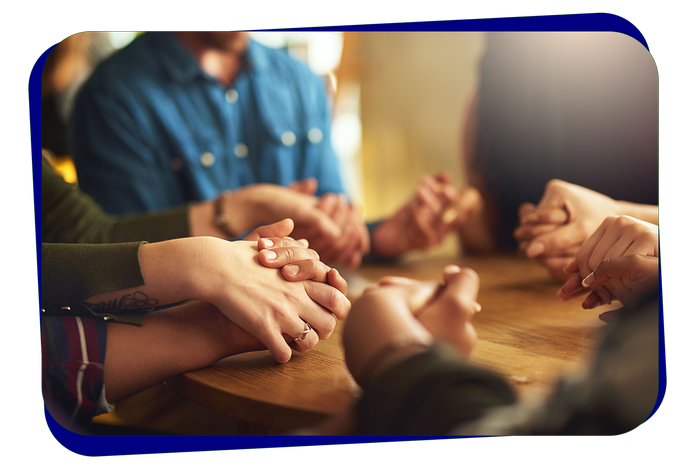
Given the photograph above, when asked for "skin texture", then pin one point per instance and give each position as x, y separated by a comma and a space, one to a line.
230, 276
619, 261
196, 334
553, 231
408, 311
345, 248
423, 221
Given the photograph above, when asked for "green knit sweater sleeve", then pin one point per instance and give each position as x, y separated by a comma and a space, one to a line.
70, 216
70, 273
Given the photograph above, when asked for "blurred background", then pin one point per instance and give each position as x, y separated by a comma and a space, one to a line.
515, 109
404, 106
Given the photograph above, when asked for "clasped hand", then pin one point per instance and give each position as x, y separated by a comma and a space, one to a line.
618, 262
284, 286
553, 231
405, 310
435, 209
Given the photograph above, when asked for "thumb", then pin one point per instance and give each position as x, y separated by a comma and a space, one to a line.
553, 215
279, 229
555, 242
627, 267
320, 220
462, 285
308, 186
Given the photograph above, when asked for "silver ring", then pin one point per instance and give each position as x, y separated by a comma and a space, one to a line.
303, 334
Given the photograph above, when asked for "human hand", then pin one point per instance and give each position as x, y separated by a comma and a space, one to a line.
448, 311
629, 281
265, 305
264, 203
296, 261
423, 221
348, 248
565, 217
401, 311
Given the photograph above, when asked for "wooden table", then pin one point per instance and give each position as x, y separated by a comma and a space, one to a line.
525, 335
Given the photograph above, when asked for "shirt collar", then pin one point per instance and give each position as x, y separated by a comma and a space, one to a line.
176, 61
181, 66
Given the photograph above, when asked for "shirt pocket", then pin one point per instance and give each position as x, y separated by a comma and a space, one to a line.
200, 163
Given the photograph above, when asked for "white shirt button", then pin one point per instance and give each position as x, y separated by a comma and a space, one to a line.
207, 159
231, 96
241, 150
176, 163
288, 138
315, 135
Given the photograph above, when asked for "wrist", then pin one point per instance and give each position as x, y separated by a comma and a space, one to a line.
644, 212
387, 239
207, 268
239, 211
391, 354
202, 220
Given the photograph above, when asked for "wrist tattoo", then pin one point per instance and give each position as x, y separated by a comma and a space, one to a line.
135, 301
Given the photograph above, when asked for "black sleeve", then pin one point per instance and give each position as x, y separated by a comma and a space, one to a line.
428, 395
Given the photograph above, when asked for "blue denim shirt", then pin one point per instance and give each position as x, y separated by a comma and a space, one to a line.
151, 130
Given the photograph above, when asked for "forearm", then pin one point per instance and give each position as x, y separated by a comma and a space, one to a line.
370, 348
645, 212
201, 218
476, 233
71, 216
172, 341
242, 209
70, 273
172, 272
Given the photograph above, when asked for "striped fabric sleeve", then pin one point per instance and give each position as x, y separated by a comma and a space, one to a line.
73, 353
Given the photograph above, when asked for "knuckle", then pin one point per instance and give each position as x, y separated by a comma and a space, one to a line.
286, 253
593, 265
327, 327
611, 220
471, 274
456, 303
553, 184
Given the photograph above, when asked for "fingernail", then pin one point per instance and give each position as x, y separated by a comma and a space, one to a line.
452, 269
588, 280
304, 242
269, 255
292, 269
267, 243
478, 307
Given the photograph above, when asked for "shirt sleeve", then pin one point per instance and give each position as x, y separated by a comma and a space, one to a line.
428, 395
71, 216
71, 273
73, 352
110, 145
437, 394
